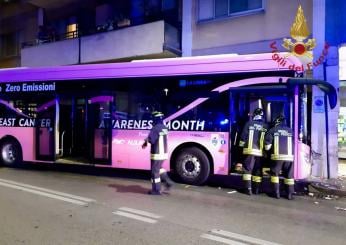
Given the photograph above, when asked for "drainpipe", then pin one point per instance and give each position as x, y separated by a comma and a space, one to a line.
79, 48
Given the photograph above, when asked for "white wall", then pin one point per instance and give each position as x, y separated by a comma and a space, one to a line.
274, 23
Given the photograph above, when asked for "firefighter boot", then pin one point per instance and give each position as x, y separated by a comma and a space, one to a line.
248, 191
165, 178
255, 188
155, 189
256, 182
290, 190
290, 196
247, 187
275, 181
247, 184
168, 182
276, 192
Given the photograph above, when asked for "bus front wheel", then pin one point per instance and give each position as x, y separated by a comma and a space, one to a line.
192, 166
11, 153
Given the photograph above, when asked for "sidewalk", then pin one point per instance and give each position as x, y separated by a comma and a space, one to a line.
333, 187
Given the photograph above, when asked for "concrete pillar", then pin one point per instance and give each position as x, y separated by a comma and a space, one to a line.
318, 133
328, 71
40, 17
332, 76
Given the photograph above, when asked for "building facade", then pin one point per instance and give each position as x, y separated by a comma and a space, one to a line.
247, 27
41, 33
241, 27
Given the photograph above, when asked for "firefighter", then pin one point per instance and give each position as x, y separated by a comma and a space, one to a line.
279, 141
158, 153
252, 141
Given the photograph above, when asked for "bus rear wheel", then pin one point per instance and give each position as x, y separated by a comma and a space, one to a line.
11, 153
192, 166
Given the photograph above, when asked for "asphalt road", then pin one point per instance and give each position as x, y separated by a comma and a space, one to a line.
45, 206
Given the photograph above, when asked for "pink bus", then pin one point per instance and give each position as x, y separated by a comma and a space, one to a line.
99, 114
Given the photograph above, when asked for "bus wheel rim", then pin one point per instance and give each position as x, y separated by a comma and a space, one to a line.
191, 166
8, 153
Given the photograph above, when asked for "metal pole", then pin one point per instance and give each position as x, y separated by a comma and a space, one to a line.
79, 49
326, 118
327, 133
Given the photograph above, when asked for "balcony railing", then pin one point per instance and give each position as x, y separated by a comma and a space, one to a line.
110, 25
51, 38
107, 43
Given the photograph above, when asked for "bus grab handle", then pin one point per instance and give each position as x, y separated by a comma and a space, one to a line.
61, 150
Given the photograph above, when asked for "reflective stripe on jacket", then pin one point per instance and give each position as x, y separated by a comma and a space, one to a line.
158, 140
280, 141
252, 137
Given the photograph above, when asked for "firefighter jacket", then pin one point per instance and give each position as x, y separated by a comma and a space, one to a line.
280, 141
252, 137
158, 140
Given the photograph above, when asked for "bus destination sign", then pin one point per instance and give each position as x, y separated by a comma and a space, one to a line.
27, 87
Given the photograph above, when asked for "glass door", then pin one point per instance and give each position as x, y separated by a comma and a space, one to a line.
45, 130
85, 129
100, 127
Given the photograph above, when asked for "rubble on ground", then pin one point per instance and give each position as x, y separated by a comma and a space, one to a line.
328, 189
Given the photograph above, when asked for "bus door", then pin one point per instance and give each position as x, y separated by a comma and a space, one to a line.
85, 129
45, 130
100, 127
274, 100
72, 130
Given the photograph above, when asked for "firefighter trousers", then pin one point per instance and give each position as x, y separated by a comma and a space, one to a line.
159, 174
252, 172
287, 171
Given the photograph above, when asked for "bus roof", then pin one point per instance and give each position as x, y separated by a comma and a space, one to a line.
215, 64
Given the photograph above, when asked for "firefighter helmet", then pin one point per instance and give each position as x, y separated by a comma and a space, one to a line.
157, 114
157, 117
279, 120
258, 113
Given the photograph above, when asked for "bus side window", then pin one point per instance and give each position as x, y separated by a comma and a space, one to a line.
7, 111
213, 112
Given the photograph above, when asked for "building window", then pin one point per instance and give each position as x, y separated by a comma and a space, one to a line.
9, 45
213, 9
71, 31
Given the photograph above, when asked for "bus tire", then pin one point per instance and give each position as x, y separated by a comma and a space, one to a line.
192, 166
10, 153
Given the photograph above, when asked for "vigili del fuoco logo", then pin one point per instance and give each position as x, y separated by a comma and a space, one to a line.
301, 46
